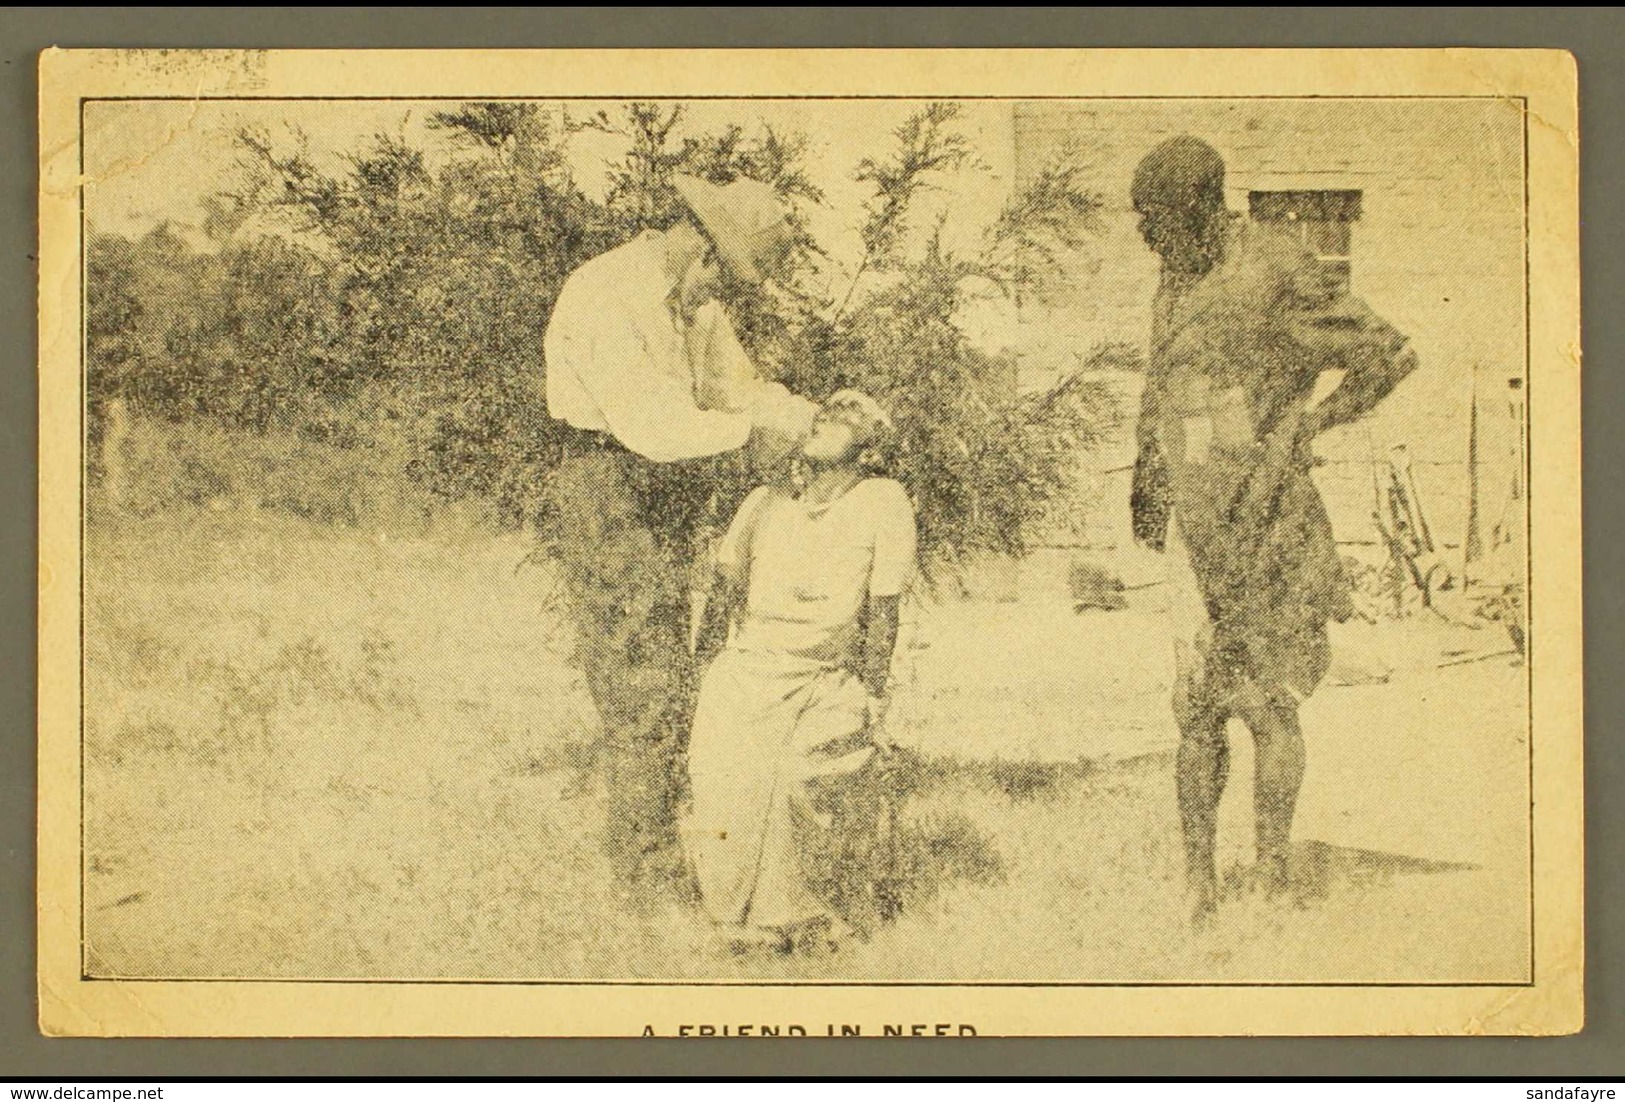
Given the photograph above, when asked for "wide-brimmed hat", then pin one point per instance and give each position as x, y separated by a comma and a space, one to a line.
746, 219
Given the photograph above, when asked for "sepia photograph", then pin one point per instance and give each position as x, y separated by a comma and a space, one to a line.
1012, 543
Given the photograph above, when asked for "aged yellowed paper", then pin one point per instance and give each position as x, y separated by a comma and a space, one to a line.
809, 543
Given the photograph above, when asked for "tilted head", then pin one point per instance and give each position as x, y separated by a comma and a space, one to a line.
850, 427
747, 221
1178, 192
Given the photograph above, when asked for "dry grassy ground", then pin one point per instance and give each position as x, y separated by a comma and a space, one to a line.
321, 754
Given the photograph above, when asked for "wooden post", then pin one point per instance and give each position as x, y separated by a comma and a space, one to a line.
1473, 542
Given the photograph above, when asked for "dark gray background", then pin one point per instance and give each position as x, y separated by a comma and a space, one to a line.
1594, 36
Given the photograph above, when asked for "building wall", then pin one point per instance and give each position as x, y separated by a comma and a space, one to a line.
1438, 250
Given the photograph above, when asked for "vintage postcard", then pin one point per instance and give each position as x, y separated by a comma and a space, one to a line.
809, 543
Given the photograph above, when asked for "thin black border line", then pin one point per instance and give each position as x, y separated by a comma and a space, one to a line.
794, 984
1528, 539
743, 97
1528, 564
84, 458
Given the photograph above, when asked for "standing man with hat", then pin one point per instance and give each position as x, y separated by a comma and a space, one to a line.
652, 387
1245, 323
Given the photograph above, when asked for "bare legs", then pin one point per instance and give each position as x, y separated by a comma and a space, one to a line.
1203, 768
1277, 775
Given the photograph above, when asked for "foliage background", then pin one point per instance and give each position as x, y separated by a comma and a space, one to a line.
259, 688
381, 355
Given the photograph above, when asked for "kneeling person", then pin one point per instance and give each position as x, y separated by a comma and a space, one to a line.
809, 582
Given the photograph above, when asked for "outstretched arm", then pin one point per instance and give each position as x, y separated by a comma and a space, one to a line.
634, 389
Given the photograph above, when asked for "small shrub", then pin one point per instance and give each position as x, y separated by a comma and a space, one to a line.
1024, 780
871, 863
926, 856
249, 695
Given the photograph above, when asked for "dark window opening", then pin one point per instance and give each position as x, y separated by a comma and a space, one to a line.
1322, 220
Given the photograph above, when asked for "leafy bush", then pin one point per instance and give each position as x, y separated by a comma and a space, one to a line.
245, 336
167, 465
408, 305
